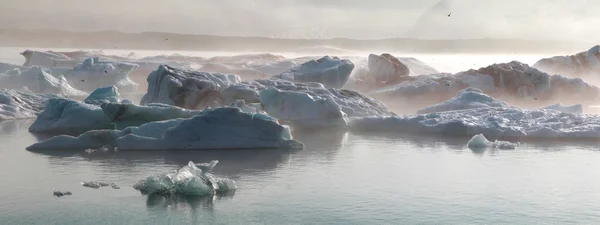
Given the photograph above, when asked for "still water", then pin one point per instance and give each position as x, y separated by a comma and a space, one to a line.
339, 178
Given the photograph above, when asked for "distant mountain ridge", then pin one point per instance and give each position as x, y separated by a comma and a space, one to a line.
112, 39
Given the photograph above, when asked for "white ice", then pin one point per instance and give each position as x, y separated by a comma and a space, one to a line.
22, 104
188, 180
37, 80
219, 128
185, 88
577, 108
480, 142
332, 72
45, 59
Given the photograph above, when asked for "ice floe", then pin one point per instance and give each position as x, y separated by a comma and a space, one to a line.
480, 142
188, 181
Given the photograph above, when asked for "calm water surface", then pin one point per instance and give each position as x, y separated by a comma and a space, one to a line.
337, 179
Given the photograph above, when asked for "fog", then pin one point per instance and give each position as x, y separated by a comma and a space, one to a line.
360, 19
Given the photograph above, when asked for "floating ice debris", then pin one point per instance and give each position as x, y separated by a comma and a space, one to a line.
96, 185
114, 186
480, 142
189, 180
61, 193
91, 184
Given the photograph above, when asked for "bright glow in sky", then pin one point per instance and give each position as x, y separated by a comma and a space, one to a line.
366, 19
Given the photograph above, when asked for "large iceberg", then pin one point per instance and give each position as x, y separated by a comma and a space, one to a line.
185, 88
305, 104
66, 116
22, 104
386, 69
513, 80
219, 128
189, 180
125, 115
332, 72
93, 73
579, 65
37, 80
302, 108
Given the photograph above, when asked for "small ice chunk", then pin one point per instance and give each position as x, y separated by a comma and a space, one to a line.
61, 193
189, 180
480, 142
91, 184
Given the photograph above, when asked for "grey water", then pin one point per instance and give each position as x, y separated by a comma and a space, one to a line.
339, 178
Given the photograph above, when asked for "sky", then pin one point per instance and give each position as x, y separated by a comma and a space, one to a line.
357, 19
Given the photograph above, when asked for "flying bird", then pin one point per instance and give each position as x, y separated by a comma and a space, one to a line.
449, 14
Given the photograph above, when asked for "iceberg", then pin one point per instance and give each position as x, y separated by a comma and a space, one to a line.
577, 108
38, 80
492, 119
125, 115
189, 180
285, 100
92, 74
513, 80
219, 128
480, 142
185, 88
22, 104
46, 59
303, 109
387, 69
66, 116
104, 95
332, 72
582, 64
469, 98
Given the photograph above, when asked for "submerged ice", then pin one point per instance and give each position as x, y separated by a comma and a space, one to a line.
188, 180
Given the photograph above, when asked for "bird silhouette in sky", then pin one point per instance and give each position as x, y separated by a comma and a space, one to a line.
449, 14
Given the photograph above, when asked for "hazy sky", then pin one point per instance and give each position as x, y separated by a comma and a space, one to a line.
368, 19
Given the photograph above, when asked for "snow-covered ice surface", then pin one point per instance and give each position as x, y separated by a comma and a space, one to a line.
186, 88
125, 115
582, 64
332, 72
66, 116
219, 128
188, 180
37, 80
480, 142
46, 59
93, 73
22, 104
487, 116
513, 80
469, 98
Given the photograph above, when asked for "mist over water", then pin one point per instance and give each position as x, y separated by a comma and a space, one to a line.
345, 176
